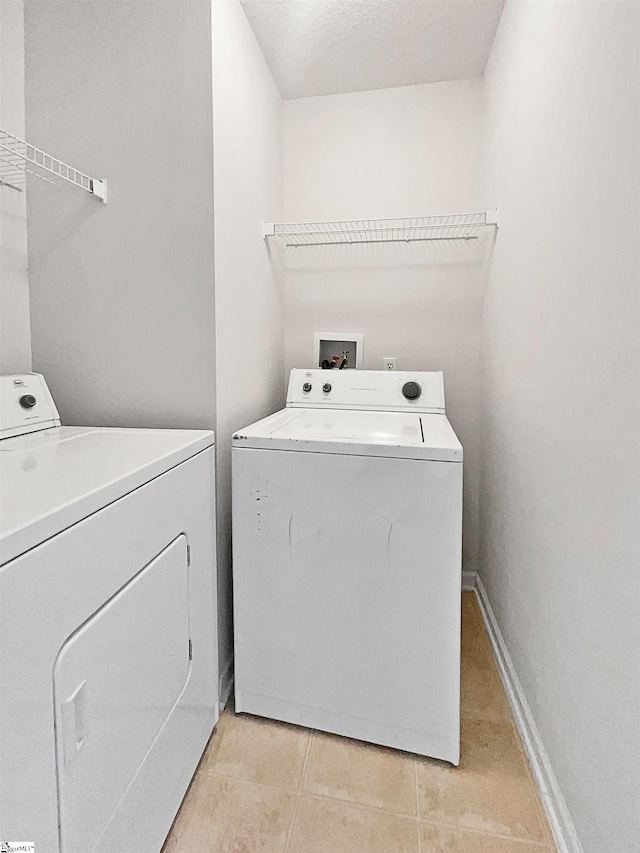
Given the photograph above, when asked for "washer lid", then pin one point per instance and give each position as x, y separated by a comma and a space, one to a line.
364, 433
55, 478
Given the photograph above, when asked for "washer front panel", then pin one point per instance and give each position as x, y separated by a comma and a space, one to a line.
347, 595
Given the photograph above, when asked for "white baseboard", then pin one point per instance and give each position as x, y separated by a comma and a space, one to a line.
225, 684
469, 579
564, 831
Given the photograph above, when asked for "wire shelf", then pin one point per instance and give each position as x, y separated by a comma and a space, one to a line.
19, 159
455, 226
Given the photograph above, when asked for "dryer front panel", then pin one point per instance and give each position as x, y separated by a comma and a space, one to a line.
103, 717
116, 681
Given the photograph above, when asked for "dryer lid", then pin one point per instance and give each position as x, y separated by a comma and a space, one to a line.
54, 478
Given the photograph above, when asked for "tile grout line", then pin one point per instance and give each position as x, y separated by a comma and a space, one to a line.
242, 781
294, 812
485, 833
305, 763
378, 809
357, 804
299, 790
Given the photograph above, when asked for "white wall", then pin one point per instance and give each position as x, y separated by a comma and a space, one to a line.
122, 295
15, 334
415, 150
248, 191
560, 506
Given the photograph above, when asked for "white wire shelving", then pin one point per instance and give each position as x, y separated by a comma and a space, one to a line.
453, 226
19, 159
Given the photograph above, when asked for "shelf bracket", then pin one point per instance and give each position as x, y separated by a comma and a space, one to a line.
492, 217
99, 190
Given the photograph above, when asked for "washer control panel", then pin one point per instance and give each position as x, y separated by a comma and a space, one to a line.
26, 405
411, 390
28, 401
375, 390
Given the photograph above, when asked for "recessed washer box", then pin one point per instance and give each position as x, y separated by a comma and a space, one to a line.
347, 345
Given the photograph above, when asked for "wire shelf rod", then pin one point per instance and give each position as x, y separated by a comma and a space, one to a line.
11, 186
18, 153
457, 226
389, 240
19, 171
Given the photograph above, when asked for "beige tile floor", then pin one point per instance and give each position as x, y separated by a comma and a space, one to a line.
267, 787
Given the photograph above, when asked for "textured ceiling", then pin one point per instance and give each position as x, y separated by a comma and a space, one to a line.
322, 47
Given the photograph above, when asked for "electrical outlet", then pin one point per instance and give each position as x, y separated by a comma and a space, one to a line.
388, 363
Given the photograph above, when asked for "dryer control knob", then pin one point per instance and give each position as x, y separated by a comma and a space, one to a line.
28, 401
326, 387
306, 387
411, 390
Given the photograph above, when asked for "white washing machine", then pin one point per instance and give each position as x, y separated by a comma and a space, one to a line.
108, 649
347, 527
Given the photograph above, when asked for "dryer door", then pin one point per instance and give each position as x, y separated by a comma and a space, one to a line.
116, 681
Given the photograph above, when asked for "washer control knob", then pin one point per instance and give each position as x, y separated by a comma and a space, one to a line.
326, 387
411, 390
28, 401
306, 387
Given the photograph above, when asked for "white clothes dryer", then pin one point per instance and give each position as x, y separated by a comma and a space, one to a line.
108, 631
347, 528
